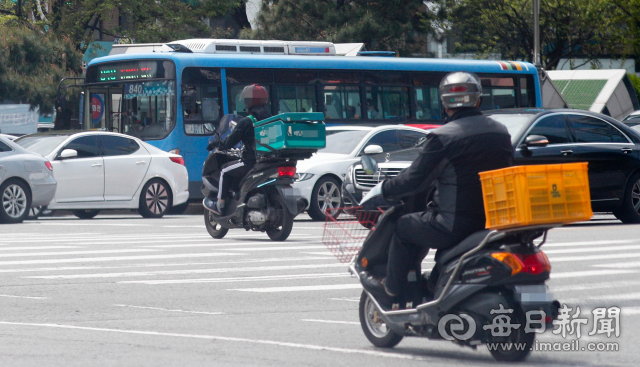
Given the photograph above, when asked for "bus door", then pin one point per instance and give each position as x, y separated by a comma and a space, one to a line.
98, 99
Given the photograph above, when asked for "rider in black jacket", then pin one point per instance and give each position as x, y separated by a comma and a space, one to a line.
452, 157
255, 99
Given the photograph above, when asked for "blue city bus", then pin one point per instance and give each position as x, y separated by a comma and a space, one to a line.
173, 100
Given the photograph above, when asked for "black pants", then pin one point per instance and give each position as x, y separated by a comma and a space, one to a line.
231, 174
414, 235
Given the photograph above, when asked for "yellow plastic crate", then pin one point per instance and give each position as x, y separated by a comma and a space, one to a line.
541, 194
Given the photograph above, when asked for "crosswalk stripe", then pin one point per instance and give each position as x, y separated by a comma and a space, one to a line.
66, 253
300, 288
239, 279
36, 248
598, 249
632, 264
170, 310
114, 258
332, 321
588, 243
591, 286
190, 271
593, 257
588, 273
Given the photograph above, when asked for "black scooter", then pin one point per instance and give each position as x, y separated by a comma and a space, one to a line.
263, 201
491, 277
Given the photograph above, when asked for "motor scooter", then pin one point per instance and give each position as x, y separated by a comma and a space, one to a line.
489, 289
262, 201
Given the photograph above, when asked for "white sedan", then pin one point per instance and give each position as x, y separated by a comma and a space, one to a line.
101, 170
320, 177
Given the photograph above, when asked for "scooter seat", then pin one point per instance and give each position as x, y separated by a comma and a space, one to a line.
443, 256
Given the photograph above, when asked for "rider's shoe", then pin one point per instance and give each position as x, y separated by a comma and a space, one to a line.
376, 287
213, 206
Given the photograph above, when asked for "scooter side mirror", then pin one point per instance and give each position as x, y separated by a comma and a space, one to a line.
369, 165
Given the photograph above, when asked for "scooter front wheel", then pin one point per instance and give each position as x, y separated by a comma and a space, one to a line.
378, 333
214, 228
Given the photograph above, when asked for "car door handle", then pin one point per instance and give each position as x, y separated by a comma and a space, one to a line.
97, 165
566, 152
141, 162
627, 150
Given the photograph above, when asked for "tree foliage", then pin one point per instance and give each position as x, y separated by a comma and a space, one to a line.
568, 29
382, 25
32, 64
139, 20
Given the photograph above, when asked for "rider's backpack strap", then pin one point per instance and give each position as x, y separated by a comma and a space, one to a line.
253, 119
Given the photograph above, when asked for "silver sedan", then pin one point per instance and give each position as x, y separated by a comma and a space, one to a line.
26, 180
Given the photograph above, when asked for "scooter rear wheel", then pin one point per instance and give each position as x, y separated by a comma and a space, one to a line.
214, 228
378, 333
517, 345
282, 231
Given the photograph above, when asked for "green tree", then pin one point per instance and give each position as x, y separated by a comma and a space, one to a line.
382, 25
32, 64
139, 20
568, 29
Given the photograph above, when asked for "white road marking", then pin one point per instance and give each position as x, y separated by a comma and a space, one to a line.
64, 253
239, 279
300, 288
633, 264
36, 248
355, 299
628, 311
591, 249
592, 257
114, 258
588, 273
317, 253
368, 352
110, 239
10, 296
606, 297
164, 265
587, 243
278, 248
210, 244
169, 310
590, 286
74, 223
332, 321
189, 271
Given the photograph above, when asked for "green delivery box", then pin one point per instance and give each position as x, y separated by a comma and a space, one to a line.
291, 132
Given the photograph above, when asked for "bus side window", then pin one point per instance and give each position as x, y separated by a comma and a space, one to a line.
497, 93
292, 98
342, 102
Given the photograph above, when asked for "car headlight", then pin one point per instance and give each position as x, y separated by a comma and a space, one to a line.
304, 176
348, 177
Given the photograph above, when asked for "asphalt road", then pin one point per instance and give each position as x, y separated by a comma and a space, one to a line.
126, 291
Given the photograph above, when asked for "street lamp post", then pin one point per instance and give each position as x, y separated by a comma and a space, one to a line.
536, 32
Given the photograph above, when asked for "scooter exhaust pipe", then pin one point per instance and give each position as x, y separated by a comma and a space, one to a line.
301, 205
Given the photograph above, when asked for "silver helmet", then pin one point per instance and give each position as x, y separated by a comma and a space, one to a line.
460, 89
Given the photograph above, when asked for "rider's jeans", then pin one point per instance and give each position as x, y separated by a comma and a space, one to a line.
414, 235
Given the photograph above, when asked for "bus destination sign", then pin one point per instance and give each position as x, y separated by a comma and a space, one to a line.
126, 71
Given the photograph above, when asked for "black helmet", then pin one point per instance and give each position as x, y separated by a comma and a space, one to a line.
460, 89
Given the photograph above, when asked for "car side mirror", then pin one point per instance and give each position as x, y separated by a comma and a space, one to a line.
536, 141
373, 149
68, 153
369, 165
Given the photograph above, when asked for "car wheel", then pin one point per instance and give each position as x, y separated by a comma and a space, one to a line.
85, 213
16, 201
155, 199
326, 197
630, 210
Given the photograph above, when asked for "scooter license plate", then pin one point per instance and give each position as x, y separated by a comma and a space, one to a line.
533, 293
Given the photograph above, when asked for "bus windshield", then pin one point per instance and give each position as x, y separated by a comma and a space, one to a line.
133, 97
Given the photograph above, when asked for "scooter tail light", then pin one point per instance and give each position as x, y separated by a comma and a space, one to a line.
535, 263
509, 260
49, 166
286, 171
178, 160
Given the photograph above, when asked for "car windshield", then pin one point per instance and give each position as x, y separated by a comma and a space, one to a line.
344, 142
514, 122
41, 144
